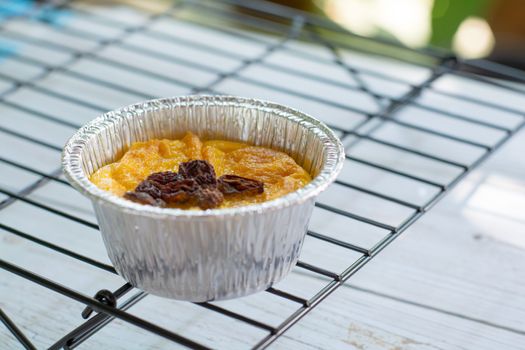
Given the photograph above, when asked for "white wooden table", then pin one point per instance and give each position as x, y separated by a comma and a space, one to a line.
454, 280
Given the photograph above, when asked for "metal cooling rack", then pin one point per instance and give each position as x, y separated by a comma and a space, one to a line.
414, 126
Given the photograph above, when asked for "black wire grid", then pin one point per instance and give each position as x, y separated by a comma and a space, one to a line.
286, 26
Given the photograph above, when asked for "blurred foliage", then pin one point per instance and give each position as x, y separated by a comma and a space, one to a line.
447, 15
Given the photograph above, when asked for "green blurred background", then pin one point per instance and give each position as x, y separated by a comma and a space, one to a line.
473, 29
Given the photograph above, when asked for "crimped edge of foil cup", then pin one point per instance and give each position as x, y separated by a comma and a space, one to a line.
332, 163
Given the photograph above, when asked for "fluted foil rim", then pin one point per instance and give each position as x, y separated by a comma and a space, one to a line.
72, 156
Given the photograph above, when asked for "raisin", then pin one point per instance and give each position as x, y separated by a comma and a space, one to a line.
208, 198
165, 177
144, 198
200, 170
150, 188
231, 184
180, 191
195, 184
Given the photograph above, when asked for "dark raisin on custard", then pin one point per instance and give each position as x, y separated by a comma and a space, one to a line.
231, 184
144, 198
200, 170
164, 177
195, 184
149, 187
180, 191
208, 198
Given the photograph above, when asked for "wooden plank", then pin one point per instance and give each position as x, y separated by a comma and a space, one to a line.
453, 281
351, 319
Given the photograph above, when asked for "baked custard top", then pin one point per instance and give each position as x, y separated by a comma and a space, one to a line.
200, 174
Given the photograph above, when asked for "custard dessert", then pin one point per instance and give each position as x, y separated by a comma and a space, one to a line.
191, 173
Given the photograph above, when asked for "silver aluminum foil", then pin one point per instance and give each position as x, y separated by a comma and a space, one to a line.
202, 255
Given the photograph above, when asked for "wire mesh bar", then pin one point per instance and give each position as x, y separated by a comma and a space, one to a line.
408, 150
59, 249
34, 171
318, 270
288, 28
237, 316
437, 133
98, 306
49, 209
17, 333
474, 100
91, 326
260, 23
501, 70
461, 117
397, 172
339, 242
39, 114
30, 139
286, 295
378, 194
12, 197
355, 216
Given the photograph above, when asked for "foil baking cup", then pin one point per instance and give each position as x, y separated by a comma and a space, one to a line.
202, 255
